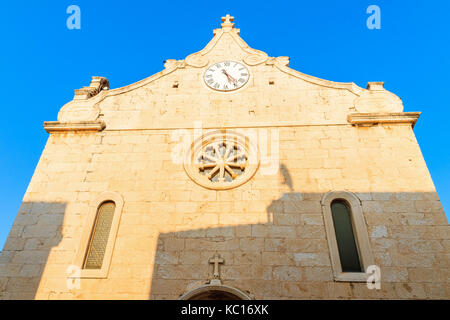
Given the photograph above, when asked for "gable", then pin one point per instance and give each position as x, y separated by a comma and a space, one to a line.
275, 94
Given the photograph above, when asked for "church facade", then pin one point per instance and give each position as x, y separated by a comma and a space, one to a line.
229, 175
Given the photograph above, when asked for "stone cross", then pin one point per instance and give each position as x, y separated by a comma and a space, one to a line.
227, 21
216, 260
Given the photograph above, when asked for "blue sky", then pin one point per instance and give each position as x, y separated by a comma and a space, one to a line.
42, 62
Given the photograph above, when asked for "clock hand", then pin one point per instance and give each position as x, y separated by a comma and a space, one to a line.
234, 81
230, 77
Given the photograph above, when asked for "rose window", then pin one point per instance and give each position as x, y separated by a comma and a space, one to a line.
221, 160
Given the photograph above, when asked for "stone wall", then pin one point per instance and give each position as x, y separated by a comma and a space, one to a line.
270, 232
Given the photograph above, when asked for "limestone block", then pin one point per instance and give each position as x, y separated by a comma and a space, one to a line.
5, 256
427, 275
311, 259
412, 246
281, 231
286, 219
423, 260
14, 244
311, 219
201, 244
243, 272
318, 274
287, 273
410, 290
309, 290
30, 257
31, 270
247, 258
378, 232
311, 232
171, 244
337, 290
10, 270
251, 244
306, 245
277, 259
277, 245
21, 286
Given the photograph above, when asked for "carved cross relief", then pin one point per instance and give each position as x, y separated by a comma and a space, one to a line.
216, 260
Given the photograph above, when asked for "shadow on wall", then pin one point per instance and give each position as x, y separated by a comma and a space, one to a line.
287, 256
283, 254
36, 230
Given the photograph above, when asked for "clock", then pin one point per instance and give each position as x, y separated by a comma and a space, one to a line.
226, 76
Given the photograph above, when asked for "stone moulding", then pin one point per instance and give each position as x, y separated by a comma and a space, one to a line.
375, 118
215, 287
57, 126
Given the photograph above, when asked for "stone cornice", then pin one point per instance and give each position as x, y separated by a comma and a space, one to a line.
374, 118
56, 126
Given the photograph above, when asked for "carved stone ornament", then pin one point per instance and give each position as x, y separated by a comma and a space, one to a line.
173, 64
221, 160
196, 60
255, 59
284, 61
97, 84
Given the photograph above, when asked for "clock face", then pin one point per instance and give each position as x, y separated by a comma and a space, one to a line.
226, 75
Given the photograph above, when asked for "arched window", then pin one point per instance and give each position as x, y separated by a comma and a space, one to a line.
348, 240
100, 235
97, 242
345, 236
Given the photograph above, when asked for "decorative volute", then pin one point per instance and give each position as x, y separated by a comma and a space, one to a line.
378, 99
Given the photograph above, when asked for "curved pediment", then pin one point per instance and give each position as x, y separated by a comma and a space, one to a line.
175, 94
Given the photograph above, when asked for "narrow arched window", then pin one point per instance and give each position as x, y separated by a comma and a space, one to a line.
348, 240
345, 236
99, 237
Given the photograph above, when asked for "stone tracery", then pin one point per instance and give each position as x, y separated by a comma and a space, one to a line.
222, 161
